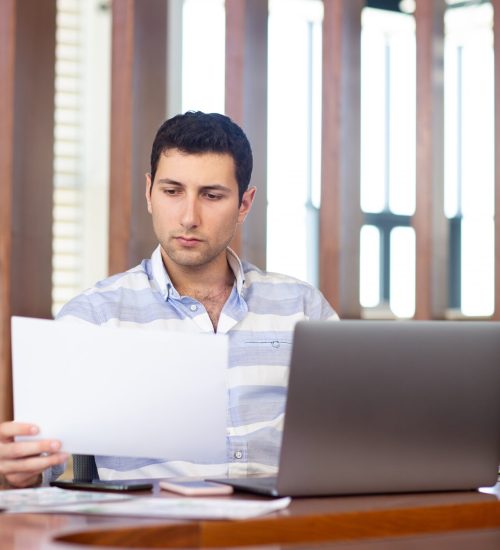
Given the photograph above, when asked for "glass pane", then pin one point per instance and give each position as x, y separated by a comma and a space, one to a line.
369, 276
388, 72
373, 111
316, 111
203, 55
469, 111
402, 116
469, 148
294, 78
452, 129
478, 263
288, 92
402, 287
287, 244
478, 127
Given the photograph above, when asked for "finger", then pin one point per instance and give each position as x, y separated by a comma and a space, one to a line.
11, 429
33, 465
27, 449
24, 480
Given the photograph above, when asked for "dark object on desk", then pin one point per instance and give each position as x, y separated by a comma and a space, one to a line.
387, 407
120, 486
84, 468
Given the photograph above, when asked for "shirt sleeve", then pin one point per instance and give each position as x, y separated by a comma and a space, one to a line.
51, 474
318, 308
79, 309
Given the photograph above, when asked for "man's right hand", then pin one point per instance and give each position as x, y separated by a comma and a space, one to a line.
22, 462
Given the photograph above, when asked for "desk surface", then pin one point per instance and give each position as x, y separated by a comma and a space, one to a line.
420, 521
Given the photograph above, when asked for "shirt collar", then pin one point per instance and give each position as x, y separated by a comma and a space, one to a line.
162, 278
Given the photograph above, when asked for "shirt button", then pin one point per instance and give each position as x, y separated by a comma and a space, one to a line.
238, 454
192, 307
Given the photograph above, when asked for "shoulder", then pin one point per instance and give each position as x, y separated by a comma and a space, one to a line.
285, 290
255, 276
98, 303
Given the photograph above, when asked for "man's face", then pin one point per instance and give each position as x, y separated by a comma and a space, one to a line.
194, 205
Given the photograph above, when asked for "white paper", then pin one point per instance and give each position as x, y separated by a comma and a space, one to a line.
180, 508
40, 499
122, 391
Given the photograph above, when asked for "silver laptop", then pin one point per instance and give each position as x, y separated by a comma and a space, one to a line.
389, 406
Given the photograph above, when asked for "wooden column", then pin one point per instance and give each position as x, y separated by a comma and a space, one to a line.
27, 69
496, 31
138, 107
340, 214
430, 224
246, 104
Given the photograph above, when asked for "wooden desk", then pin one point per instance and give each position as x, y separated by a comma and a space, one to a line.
419, 521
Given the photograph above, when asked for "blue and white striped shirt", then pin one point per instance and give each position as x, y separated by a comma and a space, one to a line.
258, 317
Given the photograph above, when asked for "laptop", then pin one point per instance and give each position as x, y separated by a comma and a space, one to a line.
388, 407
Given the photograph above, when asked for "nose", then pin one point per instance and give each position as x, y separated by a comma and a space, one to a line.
190, 217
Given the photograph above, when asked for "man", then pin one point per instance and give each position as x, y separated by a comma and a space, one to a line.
197, 194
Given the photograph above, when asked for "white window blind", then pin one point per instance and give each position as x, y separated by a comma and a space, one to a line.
81, 147
67, 228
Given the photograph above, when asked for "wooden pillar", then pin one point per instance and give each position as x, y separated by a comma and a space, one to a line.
340, 213
246, 104
27, 69
138, 107
430, 224
496, 41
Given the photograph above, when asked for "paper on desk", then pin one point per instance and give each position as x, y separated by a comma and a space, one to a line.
180, 508
122, 391
41, 499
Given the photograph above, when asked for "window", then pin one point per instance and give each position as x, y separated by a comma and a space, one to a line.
81, 147
294, 137
203, 55
387, 242
469, 156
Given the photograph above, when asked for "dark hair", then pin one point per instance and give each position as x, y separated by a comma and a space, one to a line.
196, 132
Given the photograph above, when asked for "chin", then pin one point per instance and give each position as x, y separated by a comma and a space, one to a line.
187, 259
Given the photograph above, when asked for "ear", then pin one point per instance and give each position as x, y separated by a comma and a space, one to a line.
148, 193
246, 204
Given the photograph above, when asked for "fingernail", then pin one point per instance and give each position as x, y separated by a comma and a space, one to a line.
33, 430
54, 445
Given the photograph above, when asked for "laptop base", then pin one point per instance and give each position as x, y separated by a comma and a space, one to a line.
257, 485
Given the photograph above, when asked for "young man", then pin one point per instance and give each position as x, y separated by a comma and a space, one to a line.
197, 194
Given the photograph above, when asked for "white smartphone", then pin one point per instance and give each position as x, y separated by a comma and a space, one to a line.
195, 487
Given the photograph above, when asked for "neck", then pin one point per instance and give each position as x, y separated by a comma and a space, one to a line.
200, 281
210, 284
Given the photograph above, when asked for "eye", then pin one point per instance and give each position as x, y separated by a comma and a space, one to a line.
170, 191
213, 196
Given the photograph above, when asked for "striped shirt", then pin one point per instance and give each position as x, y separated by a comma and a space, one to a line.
258, 317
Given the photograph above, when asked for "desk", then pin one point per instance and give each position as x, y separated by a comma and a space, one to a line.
416, 521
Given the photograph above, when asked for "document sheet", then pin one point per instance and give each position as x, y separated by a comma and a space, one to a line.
60, 501
122, 391
42, 499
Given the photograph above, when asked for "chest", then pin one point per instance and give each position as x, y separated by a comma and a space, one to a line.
214, 304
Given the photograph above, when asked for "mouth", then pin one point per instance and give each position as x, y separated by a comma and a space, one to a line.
187, 241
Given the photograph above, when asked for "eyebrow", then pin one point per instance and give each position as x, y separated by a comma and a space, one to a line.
213, 186
169, 181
